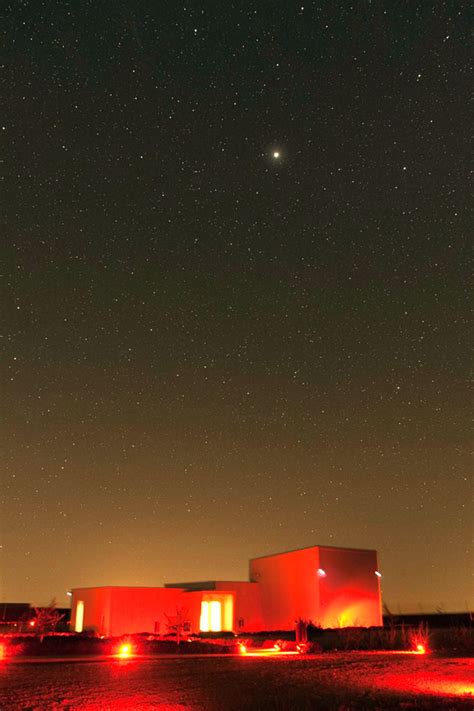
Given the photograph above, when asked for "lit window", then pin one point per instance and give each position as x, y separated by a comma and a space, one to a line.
204, 623
79, 616
215, 616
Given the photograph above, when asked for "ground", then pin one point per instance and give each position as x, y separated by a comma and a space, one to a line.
339, 681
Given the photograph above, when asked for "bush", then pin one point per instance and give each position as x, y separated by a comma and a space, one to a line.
454, 640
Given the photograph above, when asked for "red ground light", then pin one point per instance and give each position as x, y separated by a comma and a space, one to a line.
125, 651
274, 651
425, 678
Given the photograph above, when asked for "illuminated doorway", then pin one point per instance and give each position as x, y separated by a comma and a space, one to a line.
211, 614
217, 613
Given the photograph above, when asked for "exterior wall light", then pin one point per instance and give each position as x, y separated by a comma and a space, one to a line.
321, 573
379, 575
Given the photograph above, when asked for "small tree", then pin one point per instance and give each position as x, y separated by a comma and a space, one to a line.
45, 619
178, 623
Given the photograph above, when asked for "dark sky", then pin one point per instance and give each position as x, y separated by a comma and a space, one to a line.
213, 352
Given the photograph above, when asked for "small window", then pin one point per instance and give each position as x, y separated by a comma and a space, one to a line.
79, 626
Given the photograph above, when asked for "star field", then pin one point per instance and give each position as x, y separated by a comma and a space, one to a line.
237, 296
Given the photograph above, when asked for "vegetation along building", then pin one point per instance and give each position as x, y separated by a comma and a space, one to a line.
331, 587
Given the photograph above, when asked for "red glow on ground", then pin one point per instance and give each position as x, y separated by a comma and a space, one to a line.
427, 676
453, 688
269, 653
274, 651
397, 651
428, 683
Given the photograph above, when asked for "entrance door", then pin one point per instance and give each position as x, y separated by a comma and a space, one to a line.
211, 616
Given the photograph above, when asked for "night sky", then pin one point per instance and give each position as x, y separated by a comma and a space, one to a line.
237, 298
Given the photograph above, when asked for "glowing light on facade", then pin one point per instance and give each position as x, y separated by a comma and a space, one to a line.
211, 616
79, 624
420, 649
322, 573
204, 621
215, 616
379, 575
228, 610
3, 651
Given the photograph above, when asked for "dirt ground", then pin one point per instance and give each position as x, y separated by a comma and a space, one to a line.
339, 681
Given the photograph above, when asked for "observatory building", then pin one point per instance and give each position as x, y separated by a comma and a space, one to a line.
331, 587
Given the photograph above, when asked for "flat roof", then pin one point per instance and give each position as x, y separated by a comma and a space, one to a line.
166, 586
316, 545
119, 587
205, 583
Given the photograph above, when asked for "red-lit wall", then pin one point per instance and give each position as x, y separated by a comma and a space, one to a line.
346, 594
114, 611
349, 594
288, 586
143, 609
248, 605
96, 609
